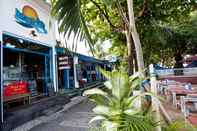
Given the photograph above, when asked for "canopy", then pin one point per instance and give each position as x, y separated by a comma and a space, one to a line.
193, 64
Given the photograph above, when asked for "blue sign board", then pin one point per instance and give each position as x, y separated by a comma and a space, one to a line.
30, 22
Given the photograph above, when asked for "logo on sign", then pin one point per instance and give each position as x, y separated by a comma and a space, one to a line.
29, 19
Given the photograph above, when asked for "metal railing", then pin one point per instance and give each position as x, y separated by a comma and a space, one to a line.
177, 72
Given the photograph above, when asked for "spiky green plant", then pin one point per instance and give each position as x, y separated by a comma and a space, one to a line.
115, 105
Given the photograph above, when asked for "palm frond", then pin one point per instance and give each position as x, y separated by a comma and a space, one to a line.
71, 21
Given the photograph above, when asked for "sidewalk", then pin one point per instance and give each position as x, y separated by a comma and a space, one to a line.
23, 114
40, 121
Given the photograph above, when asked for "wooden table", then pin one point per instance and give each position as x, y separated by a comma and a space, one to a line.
180, 92
14, 98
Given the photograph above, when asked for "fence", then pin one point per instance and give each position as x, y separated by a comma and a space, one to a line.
177, 72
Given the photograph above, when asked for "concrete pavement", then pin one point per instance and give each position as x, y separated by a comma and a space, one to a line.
74, 117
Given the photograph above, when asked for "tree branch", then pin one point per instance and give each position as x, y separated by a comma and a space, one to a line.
103, 13
144, 9
121, 12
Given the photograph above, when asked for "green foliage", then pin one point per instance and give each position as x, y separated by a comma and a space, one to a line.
158, 16
180, 126
115, 106
100, 20
70, 19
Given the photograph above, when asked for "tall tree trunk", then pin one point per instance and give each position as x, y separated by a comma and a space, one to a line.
135, 62
139, 54
135, 36
130, 52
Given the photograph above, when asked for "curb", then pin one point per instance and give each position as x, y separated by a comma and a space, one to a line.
43, 119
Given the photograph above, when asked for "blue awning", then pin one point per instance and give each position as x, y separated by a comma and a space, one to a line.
81, 57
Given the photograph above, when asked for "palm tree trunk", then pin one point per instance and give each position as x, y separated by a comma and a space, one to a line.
130, 52
135, 36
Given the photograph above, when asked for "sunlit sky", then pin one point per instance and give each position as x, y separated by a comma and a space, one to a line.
82, 48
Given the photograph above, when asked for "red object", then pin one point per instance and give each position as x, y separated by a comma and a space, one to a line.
94, 77
192, 119
82, 82
15, 88
190, 59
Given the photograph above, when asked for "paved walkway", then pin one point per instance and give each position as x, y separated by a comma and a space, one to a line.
75, 117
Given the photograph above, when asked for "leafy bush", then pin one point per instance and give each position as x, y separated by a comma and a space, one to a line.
179, 126
115, 105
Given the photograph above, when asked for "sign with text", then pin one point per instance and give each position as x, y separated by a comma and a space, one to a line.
64, 62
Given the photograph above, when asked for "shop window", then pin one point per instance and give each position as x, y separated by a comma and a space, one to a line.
11, 58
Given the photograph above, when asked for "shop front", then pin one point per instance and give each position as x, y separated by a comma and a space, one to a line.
87, 70
65, 72
26, 67
27, 53
77, 70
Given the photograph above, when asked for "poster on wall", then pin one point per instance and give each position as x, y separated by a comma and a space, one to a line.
29, 18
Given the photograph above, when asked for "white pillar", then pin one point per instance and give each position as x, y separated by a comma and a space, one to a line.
75, 63
55, 70
155, 102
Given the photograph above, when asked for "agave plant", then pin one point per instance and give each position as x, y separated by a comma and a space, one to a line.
115, 104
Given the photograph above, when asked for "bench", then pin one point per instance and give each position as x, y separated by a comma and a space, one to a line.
14, 98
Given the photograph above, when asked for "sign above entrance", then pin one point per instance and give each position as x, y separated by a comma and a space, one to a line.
29, 18
64, 62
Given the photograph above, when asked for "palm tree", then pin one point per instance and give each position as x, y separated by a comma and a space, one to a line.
71, 20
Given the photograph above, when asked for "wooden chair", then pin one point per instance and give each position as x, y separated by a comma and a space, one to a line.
191, 117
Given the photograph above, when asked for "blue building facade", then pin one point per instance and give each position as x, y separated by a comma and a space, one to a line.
83, 70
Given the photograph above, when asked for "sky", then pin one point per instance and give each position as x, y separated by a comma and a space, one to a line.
81, 46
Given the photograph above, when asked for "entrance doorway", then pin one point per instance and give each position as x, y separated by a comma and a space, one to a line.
26, 71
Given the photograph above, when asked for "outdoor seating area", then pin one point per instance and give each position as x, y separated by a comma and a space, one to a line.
182, 96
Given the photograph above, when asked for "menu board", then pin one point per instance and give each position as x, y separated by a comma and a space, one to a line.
64, 62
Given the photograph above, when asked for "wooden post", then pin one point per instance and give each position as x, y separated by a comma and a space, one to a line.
155, 103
